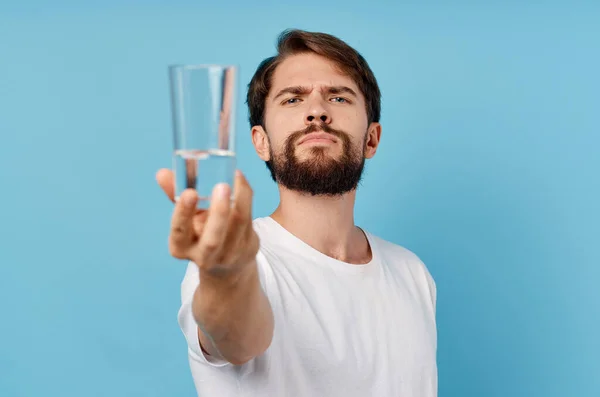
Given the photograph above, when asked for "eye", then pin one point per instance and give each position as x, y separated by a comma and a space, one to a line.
291, 101
339, 99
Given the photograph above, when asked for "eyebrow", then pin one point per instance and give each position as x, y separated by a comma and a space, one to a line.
299, 90
340, 89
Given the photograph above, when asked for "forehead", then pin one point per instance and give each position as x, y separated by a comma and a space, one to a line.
309, 70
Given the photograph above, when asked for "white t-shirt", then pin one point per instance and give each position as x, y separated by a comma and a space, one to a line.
341, 330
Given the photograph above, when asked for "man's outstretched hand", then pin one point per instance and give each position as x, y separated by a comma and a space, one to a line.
220, 240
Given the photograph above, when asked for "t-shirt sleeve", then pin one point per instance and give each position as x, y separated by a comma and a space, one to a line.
188, 324
432, 287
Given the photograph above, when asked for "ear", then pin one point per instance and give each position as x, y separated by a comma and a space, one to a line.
373, 138
260, 140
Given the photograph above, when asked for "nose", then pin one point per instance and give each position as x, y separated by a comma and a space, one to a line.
317, 113
323, 118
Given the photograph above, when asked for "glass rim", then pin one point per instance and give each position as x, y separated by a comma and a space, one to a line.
198, 66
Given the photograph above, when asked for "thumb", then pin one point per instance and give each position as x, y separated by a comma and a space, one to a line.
166, 180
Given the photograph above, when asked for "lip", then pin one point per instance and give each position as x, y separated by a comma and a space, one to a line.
318, 137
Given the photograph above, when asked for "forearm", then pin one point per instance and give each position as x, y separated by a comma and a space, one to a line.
234, 315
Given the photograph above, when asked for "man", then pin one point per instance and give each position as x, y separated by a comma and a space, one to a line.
303, 302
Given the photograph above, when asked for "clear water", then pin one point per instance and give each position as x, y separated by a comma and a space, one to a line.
202, 170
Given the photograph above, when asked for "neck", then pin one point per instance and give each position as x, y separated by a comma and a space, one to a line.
324, 223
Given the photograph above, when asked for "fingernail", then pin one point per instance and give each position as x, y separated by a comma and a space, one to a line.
238, 173
222, 190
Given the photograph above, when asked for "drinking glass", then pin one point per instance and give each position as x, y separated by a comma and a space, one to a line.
203, 101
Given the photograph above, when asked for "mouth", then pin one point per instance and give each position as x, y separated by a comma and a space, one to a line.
318, 137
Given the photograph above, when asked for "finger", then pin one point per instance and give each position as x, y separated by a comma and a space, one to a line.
182, 229
166, 181
215, 227
199, 222
240, 218
242, 197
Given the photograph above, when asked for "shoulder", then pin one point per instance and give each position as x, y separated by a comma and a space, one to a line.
397, 256
260, 222
263, 226
393, 252
267, 235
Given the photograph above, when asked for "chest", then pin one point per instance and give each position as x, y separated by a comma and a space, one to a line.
364, 328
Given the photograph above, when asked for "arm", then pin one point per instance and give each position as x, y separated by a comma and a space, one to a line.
234, 317
233, 314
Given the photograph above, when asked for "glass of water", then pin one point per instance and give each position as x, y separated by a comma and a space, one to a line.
203, 108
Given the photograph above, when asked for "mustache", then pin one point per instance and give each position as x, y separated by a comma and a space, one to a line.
314, 127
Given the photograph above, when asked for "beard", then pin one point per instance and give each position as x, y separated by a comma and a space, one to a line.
319, 174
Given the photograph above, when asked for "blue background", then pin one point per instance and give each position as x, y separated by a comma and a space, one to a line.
488, 170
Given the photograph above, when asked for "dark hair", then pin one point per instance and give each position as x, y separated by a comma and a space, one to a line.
292, 42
